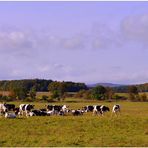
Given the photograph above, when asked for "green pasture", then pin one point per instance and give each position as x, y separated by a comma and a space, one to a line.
128, 129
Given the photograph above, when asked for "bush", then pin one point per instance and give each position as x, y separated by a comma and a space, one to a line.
6, 98
143, 97
44, 97
134, 97
55, 95
87, 95
118, 97
79, 94
28, 99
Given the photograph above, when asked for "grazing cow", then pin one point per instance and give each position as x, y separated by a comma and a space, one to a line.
50, 112
100, 109
56, 109
3, 108
25, 108
39, 112
49, 107
61, 113
88, 108
97, 109
104, 109
10, 115
77, 112
65, 109
10, 107
116, 109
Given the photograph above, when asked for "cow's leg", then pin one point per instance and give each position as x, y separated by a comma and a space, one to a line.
94, 112
27, 113
102, 113
20, 113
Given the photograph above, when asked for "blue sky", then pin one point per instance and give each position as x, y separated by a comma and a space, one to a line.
74, 41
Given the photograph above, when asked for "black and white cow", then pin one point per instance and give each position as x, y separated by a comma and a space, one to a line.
25, 108
100, 109
65, 109
88, 108
3, 108
10, 106
36, 112
56, 109
116, 109
49, 107
77, 112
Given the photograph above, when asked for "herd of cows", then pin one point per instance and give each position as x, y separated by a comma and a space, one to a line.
10, 111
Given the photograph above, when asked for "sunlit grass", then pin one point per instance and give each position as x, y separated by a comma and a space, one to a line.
129, 129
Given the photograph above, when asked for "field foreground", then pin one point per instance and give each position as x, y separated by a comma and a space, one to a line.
128, 129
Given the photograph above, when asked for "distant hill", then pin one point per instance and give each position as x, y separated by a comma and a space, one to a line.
105, 85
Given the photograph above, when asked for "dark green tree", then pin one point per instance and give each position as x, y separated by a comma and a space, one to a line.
133, 93
98, 92
32, 93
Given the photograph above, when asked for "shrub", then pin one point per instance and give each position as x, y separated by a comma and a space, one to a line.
28, 99
143, 97
44, 97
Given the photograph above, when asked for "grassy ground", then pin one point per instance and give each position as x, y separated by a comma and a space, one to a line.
129, 129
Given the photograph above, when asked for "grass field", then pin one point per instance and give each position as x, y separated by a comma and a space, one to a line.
129, 129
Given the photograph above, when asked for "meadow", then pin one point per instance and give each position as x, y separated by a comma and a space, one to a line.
128, 129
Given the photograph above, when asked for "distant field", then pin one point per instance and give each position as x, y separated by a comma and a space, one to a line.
40, 94
126, 94
129, 129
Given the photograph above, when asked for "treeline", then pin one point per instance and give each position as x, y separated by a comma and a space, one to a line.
124, 88
40, 85
27, 84
21, 89
27, 89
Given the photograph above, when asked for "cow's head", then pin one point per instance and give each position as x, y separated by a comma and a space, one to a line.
107, 109
31, 106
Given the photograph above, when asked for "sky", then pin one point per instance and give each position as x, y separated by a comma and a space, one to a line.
88, 42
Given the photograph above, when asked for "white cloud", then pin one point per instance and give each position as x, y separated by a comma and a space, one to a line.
14, 40
75, 42
135, 28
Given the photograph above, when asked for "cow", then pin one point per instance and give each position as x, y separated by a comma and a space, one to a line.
10, 106
88, 108
77, 112
65, 109
25, 108
100, 109
61, 113
50, 112
3, 108
104, 109
116, 109
56, 109
49, 107
10, 115
97, 109
36, 112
